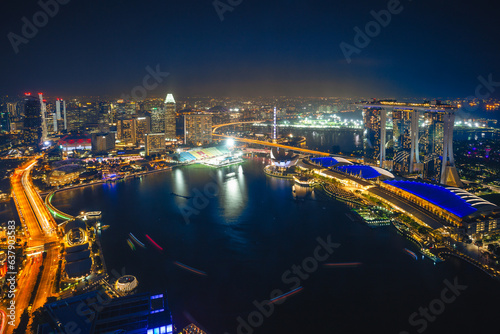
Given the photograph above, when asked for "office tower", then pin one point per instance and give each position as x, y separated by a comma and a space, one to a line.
43, 109
374, 120
58, 112
126, 131
103, 142
58, 115
170, 117
4, 121
32, 132
12, 109
157, 120
198, 129
142, 128
154, 143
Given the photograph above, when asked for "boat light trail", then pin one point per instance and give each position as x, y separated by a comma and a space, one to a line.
285, 295
346, 264
137, 240
184, 266
411, 253
154, 243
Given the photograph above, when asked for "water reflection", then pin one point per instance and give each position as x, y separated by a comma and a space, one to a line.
301, 193
234, 194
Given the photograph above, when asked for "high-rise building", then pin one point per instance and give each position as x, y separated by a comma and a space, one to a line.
198, 129
170, 117
32, 129
405, 138
103, 142
374, 120
12, 109
43, 109
126, 130
157, 120
143, 124
155, 143
433, 144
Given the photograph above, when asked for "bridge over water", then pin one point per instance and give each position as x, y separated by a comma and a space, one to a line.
270, 144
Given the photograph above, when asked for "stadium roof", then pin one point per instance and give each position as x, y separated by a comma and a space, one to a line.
202, 153
454, 200
366, 172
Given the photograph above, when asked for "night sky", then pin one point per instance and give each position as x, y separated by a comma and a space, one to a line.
430, 49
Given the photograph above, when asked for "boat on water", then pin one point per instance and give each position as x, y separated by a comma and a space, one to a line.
105, 227
136, 240
131, 245
93, 214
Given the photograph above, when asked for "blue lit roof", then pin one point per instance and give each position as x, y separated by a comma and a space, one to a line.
330, 161
325, 161
366, 172
454, 200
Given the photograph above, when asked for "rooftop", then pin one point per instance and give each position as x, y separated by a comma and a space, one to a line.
366, 172
454, 200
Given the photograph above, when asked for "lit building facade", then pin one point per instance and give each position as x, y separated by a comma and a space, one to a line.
126, 131
157, 120
32, 128
198, 129
143, 127
434, 144
170, 117
374, 120
154, 143
103, 142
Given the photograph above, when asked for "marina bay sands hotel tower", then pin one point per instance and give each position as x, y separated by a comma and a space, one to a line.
425, 149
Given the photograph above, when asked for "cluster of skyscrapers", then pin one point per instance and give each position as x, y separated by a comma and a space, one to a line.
148, 124
421, 140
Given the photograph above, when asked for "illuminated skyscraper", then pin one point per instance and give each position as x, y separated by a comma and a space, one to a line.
439, 159
142, 128
58, 114
170, 117
126, 131
43, 109
405, 137
374, 120
198, 129
157, 120
32, 132
11, 109
103, 142
155, 143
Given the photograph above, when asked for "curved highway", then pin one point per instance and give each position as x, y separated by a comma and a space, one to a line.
41, 235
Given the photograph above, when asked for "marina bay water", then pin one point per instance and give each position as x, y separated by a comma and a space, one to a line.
249, 233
